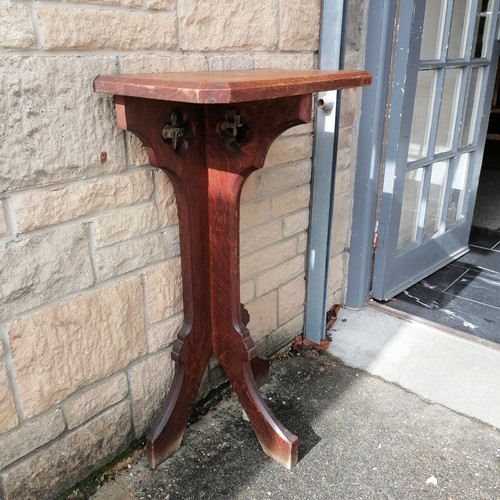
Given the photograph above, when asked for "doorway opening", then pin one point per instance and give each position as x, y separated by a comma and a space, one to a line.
465, 294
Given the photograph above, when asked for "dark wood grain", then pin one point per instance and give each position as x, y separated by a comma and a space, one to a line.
219, 129
229, 86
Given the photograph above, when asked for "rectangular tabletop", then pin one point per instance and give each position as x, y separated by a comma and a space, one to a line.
212, 87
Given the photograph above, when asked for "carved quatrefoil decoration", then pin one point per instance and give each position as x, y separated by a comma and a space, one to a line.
178, 132
234, 132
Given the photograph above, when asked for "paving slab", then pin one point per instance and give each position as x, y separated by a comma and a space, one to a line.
360, 438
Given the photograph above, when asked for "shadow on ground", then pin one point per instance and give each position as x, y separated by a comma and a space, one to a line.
360, 438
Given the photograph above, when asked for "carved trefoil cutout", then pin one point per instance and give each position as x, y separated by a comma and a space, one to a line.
178, 132
233, 130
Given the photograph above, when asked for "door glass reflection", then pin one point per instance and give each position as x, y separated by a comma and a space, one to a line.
422, 115
435, 198
448, 110
458, 33
469, 115
412, 195
482, 28
432, 32
457, 195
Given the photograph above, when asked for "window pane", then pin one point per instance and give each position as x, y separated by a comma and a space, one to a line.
482, 28
422, 115
432, 32
458, 33
448, 110
435, 198
411, 202
469, 115
458, 185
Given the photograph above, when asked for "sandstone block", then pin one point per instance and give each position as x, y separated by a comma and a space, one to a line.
341, 223
125, 224
127, 3
87, 404
80, 341
8, 416
230, 62
68, 460
105, 29
247, 291
3, 222
295, 223
291, 201
54, 127
30, 435
291, 299
336, 278
279, 275
227, 25
150, 381
16, 31
263, 316
300, 25
253, 214
248, 191
43, 207
44, 267
302, 242
289, 148
146, 63
266, 258
277, 60
281, 337
135, 254
160, 4
273, 180
163, 290
261, 236
162, 334
137, 152
165, 200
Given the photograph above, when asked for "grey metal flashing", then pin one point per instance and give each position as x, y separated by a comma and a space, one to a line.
381, 17
323, 176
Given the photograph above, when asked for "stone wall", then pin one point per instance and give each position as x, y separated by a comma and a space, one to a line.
90, 281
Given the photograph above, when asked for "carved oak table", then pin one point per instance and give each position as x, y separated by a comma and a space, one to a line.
209, 131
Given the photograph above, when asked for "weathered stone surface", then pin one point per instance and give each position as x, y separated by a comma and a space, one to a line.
160, 4
253, 214
230, 62
247, 291
291, 201
105, 29
54, 469
279, 275
341, 223
125, 224
8, 416
165, 200
80, 342
162, 334
87, 404
273, 180
295, 223
54, 127
30, 435
163, 290
261, 236
150, 381
277, 60
135, 254
263, 315
127, 3
289, 148
44, 267
281, 337
227, 25
291, 299
145, 63
50, 206
16, 31
300, 25
267, 257
336, 279
3, 222
302, 242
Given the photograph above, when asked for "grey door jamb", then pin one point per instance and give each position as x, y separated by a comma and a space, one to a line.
323, 175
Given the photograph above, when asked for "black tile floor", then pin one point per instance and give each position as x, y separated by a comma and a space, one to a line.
464, 295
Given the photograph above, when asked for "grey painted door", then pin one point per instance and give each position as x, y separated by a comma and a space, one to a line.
443, 66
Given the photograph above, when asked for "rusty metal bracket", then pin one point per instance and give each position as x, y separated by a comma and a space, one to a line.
233, 130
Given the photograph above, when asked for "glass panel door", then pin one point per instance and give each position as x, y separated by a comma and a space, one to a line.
443, 70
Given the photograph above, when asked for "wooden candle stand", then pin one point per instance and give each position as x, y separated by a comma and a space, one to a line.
209, 131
